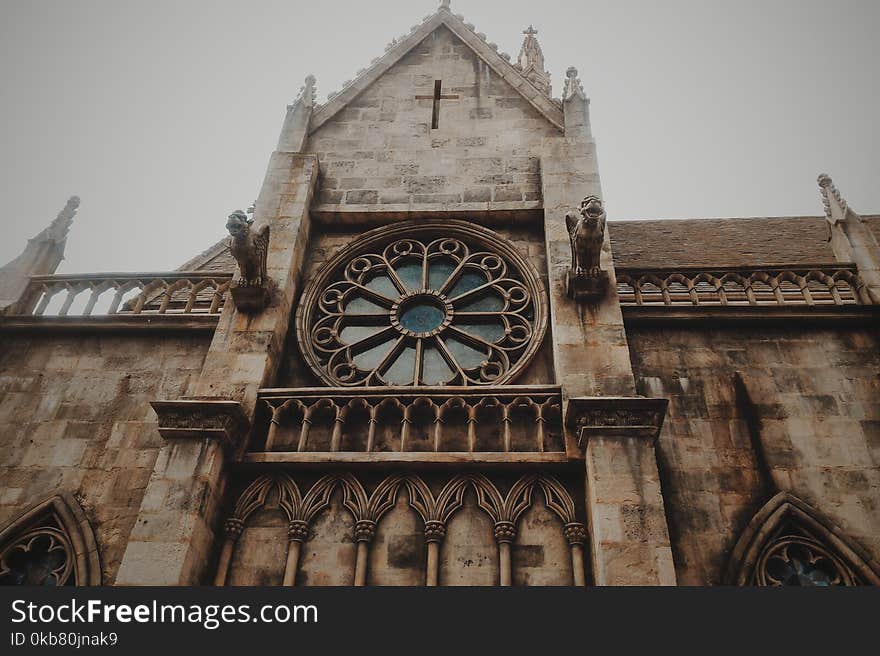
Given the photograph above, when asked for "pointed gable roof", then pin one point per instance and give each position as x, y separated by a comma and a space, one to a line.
488, 52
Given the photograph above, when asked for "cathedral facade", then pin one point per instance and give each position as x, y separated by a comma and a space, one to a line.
425, 357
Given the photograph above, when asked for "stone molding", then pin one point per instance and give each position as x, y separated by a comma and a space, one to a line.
218, 419
608, 416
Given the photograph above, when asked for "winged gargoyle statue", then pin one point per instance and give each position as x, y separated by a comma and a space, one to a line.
249, 248
586, 230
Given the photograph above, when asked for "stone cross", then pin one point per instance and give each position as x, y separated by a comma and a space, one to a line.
437, 97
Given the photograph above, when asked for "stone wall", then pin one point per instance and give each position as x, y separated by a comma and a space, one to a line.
381, 149
811, 394
326, 242
75, 416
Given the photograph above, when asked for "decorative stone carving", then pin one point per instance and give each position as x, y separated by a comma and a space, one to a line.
202, 418
298, 531
51, 544
364, 530
608, 416
434, 531
505, 532
575, 533
531, 62
790, 543
233, 527
586, 230
250, 249
412, 290
435, 510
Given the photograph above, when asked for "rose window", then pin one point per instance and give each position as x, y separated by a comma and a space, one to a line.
423, 303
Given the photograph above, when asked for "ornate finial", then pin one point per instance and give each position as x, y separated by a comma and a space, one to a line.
573, 86
59, 228
306, 95
830, 192
531, 61
444, 5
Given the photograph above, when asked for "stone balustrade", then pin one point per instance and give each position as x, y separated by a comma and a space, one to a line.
86, 295
742, 286
415, 419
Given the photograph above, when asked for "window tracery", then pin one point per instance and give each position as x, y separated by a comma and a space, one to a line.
423, 303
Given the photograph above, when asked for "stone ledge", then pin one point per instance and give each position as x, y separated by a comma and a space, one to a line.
409, 458
746, 313
115, 323
611, 416
490, 213
218, 419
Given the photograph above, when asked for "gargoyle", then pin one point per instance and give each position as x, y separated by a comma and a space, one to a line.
249, 248
586, 229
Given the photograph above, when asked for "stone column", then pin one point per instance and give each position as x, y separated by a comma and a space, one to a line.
628, 534
435, 531
173, 538
364, 532
297, 533
627, 520
505, 533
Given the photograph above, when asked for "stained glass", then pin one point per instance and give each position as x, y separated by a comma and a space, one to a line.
397, 325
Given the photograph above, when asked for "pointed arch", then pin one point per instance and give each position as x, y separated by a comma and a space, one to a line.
58, 529
786, 534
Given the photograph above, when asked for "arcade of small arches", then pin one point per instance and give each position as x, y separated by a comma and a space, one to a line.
435, 510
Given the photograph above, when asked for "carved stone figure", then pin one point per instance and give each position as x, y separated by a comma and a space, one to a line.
586, 229
249, 248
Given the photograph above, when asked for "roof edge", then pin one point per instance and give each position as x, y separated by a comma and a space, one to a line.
475, 41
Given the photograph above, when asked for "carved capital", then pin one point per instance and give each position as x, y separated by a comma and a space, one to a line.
505, 531
608, 416
365, 530
298, 531
575, 533
233, 527
435, 531
198, 419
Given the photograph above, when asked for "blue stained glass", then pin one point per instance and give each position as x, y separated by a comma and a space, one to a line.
435, 370
465, 283
360, 305
352, 334
439, 271
370, 359
489, 332
466, 356
402, 371
383, 285
481, 303
422, 317
410, 274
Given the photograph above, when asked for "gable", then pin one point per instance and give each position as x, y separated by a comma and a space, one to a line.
381, 149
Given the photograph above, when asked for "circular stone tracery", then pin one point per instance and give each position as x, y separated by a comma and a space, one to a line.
423, 303
422, 314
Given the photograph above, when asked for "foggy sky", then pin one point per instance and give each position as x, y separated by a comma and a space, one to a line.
162, 115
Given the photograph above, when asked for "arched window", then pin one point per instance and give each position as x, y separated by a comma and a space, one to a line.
789, 543
51, 544
423, 303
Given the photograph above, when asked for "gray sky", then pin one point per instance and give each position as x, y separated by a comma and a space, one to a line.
162, 114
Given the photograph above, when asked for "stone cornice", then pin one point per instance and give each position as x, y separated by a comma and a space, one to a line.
114, 323
219, 419
609, 416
